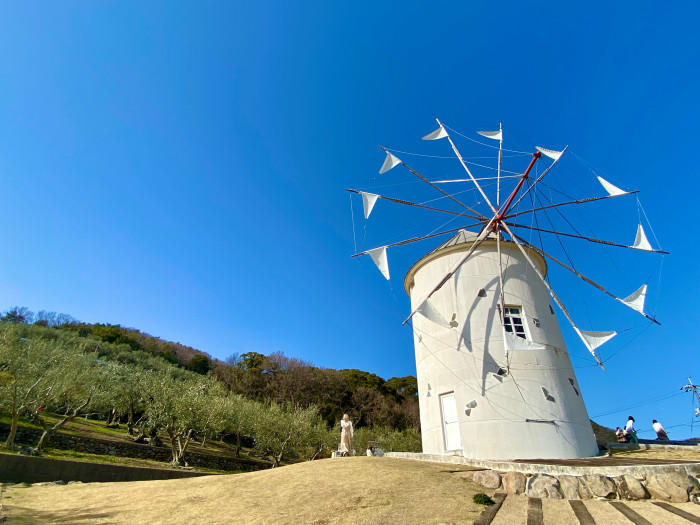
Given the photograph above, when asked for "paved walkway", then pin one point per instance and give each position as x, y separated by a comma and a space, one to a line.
512, 510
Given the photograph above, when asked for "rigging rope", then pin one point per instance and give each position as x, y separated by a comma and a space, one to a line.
452, 157
484, 144
352, 217
643, 403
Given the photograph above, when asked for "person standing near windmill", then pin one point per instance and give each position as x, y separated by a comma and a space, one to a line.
660, 431
630, 430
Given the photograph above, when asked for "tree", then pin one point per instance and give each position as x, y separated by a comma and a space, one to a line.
284, 432
402, 387
240, 417
370, 407
200, 364
52, 319
126, 391
27, 367
183, 407
322, 440
76, 381
251, 361
18, 315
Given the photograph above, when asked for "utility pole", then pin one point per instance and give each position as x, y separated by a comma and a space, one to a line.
690, 387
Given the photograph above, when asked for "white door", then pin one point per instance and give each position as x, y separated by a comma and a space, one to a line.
450, 424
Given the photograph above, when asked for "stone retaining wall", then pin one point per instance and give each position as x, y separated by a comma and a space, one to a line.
673, 487
551, 468
132, 450
671, 482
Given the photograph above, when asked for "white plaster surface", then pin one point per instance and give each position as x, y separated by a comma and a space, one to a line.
512, 419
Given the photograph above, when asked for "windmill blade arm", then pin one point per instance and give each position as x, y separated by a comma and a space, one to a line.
590, 239
464, 165
578, 201
421, 177
409, 203
555, 297
421, 238
501, 294
580, 275
538, 179
482, 235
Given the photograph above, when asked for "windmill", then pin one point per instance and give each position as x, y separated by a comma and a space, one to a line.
495, 379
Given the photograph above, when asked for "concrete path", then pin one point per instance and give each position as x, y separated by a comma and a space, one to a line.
511, 510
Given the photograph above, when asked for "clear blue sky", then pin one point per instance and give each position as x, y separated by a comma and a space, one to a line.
179, 167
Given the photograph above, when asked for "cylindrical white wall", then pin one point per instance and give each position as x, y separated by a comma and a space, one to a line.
534, 411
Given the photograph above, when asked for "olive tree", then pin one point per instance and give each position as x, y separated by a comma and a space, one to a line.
183, 407
281, 432
240, 417
28, 369
76, 381
126, 392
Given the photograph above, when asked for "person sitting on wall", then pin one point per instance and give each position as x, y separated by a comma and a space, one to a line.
621, 438
630, 431
661, 434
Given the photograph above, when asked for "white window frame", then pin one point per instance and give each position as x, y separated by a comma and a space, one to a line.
507, 321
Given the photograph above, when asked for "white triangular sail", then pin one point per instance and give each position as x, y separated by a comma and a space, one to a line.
554, 155
427, 310
636, 299
439, 133
610, 188
495, 135
391, 161
640, 240
378, 255
368, 201
593, 340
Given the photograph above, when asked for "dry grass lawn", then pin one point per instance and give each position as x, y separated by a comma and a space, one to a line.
345, 490
685, 454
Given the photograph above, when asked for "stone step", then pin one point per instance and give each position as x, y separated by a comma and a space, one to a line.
514, 509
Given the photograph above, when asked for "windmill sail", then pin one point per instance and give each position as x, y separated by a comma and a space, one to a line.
391, 161
368, 202
636, 299
554, 155
593, 340
439, 133
640, 240
495, 135
378, 255
611, 188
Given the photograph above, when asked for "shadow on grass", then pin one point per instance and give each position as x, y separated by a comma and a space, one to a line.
24, 516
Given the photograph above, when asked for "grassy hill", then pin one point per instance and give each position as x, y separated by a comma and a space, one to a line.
348, 490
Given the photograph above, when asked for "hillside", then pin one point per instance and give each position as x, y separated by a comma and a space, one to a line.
368, 398
348, 490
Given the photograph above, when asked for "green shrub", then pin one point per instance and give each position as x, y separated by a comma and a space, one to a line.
483, 499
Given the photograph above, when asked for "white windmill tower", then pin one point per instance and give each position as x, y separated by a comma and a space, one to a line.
495, 380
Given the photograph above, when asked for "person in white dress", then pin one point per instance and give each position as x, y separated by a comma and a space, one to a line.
346, 433
660, 431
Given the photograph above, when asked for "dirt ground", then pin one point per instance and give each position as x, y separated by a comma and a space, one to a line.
345, 490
